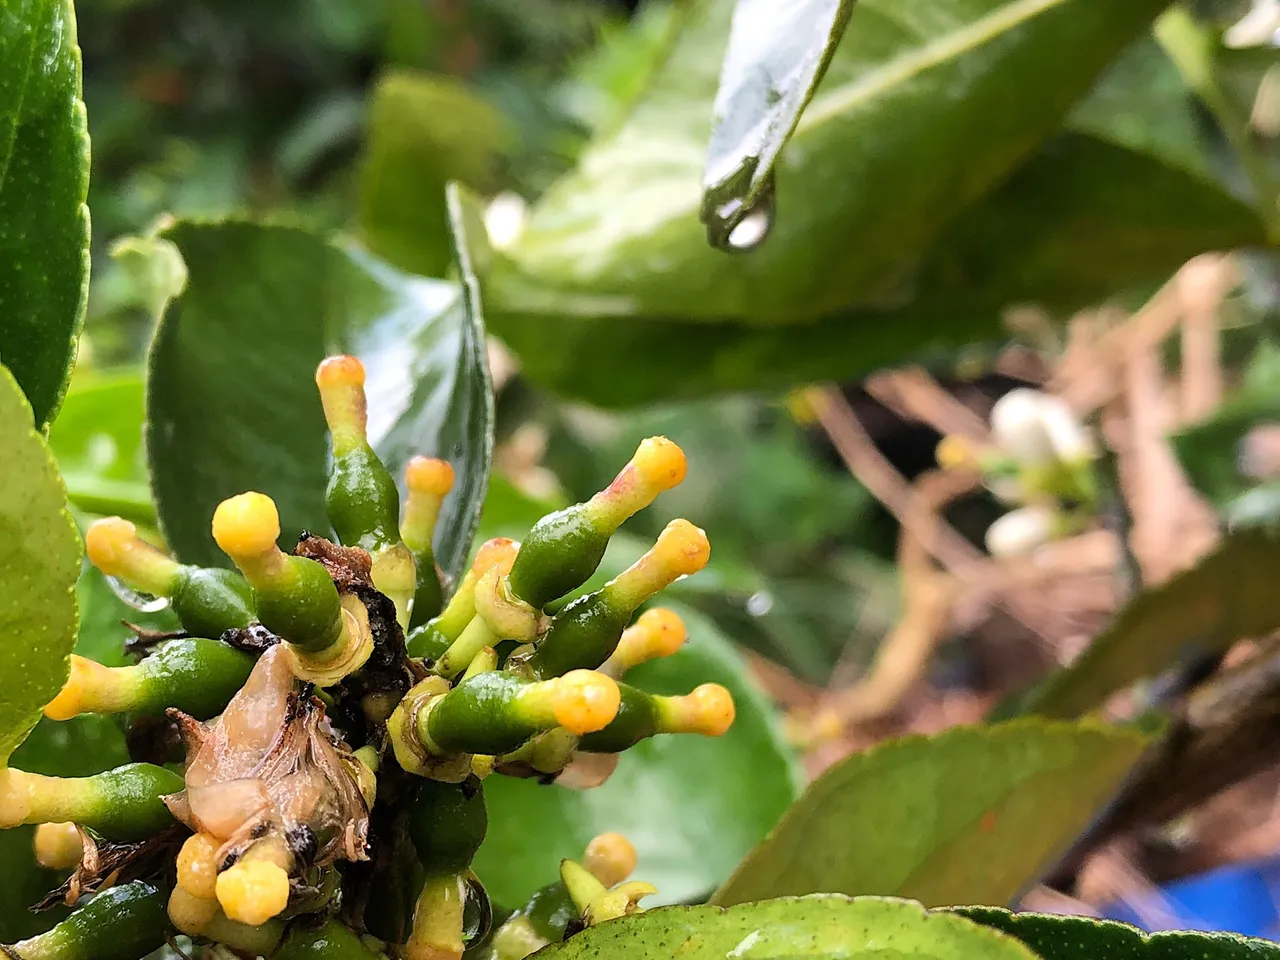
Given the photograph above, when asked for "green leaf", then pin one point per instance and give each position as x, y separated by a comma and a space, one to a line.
44, 179
1142, 103
1210, 450
1079, 221
691, 805
424, 131
908, 129
1076, 938
71, 748
1228, 595
232, 403
38, 570
972, 815
830, 926
97, 439
777, 56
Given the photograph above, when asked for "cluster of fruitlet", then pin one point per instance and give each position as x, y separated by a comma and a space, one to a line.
311, 747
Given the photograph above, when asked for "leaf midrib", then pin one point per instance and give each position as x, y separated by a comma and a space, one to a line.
934, 53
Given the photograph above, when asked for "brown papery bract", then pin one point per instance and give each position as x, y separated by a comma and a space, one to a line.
270, 764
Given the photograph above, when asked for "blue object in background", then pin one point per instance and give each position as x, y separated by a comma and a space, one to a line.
1241, 898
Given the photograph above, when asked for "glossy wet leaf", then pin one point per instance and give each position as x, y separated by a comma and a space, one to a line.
44, 178
778, 52
691, 805
424, 130
232, 402
1229, 595
1080, 220
38, 570
1055, 937
97, 440
70, 748
924, 108
1210, 451
37, 630
830, 926
971, 815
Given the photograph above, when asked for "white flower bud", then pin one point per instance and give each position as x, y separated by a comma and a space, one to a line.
1019, 532
1038, 428
1018, 426
1070, 440
1257, 28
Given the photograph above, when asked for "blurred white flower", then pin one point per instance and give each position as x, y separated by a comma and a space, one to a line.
1070, 440
1018, 426
1038, 428
1019, 532
1257, 28
1007, 489
504, 219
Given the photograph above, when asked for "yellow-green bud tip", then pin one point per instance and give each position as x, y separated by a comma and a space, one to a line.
190, 915
247, 525
108, 541
341, 383
682, 548
253, 891
58, 846
585, 701
499, 552
711, 710
427, 475
660, 462
198, 866
340, 371
115, 548
610, 858
85, 676
658, 633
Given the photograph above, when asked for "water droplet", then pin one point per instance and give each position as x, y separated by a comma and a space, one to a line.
142, 602
734, 226
752, 229
759, 603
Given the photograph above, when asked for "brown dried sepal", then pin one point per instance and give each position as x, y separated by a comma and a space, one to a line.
272, 765
106, 863
350, 567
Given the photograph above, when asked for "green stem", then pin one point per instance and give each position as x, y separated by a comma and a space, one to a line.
121, 498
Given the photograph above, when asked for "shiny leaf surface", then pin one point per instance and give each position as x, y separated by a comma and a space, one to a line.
971, 815
778, 53
232, 403
38, 570
830, 926
1082, 219
924, 108
1075, 938
44, 178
